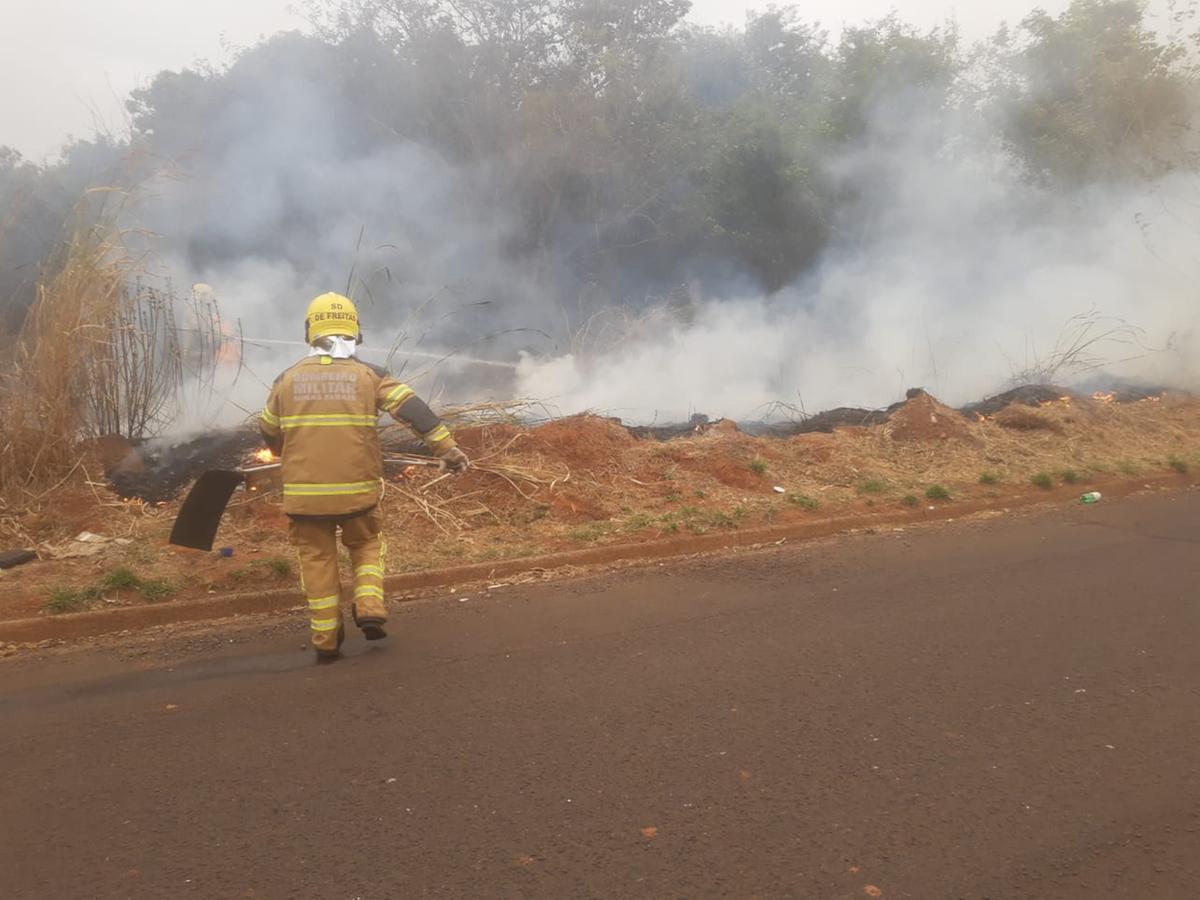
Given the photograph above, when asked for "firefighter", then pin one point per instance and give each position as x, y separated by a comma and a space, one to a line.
321, 419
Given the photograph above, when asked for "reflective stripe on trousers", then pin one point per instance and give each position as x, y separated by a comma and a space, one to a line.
362, 538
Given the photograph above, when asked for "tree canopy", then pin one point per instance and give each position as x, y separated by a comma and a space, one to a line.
614, 150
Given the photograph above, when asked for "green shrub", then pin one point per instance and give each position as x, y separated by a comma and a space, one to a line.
65, 600
280, 565
156, 589
1178, 465
937, 492
1042, 480
989, 478
758, 466
1070, 476
872, 486
120, 578
911, 500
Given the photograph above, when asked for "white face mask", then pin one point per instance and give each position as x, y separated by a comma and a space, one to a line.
336, 346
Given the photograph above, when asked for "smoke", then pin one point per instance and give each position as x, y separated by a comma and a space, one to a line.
951, 274
287, 195
947, 271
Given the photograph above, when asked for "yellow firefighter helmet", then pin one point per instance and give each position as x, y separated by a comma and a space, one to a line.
330, 314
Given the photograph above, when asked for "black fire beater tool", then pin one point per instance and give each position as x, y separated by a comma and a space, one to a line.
202, 509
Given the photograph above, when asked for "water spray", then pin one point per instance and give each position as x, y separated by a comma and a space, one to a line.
419, 354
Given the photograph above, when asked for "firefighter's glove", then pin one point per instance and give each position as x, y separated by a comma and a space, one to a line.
456, 461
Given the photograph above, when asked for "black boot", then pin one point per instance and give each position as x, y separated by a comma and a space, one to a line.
372, 628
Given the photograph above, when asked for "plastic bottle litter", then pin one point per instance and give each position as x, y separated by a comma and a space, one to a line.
1091, 497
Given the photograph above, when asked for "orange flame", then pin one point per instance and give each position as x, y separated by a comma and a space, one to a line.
264, 456
1064, 400
1104, 397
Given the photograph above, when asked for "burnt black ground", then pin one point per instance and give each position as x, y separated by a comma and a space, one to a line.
1006, 709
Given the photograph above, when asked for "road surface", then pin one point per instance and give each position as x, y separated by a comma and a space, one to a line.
999, 709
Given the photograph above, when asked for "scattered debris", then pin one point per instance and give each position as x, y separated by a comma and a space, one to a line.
10, 559
84, 544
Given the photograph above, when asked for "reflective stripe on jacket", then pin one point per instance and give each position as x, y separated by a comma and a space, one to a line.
322, 417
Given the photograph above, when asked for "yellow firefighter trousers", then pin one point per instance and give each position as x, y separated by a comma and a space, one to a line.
315, 541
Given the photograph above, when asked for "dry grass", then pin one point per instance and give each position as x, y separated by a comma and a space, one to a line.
100, 352
40, 402
586, 481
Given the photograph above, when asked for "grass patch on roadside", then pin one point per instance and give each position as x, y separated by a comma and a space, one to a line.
156, 589
989, 478
1177, 465
702, 521
120, 578
65, 600
758, 466
637, 522
938, 492
912, 501
588, 534
1070, 476
279, 565
872, 486
812, 504
1043, 480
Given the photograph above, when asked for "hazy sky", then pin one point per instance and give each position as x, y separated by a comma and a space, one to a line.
68, 64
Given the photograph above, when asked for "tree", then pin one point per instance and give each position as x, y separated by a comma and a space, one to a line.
888, 72
1094, 94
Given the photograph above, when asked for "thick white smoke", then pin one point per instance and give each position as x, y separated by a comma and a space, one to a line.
950, 273
963, 278
285, 199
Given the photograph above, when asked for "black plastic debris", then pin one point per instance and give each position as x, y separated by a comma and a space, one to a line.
10, 559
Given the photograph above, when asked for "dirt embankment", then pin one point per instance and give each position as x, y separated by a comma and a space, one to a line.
587, 481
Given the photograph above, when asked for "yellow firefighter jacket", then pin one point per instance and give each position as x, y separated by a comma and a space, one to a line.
322, 417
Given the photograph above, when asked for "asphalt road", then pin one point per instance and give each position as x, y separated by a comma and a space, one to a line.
1004, 709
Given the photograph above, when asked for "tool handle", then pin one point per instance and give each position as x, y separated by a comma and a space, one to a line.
429, 461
